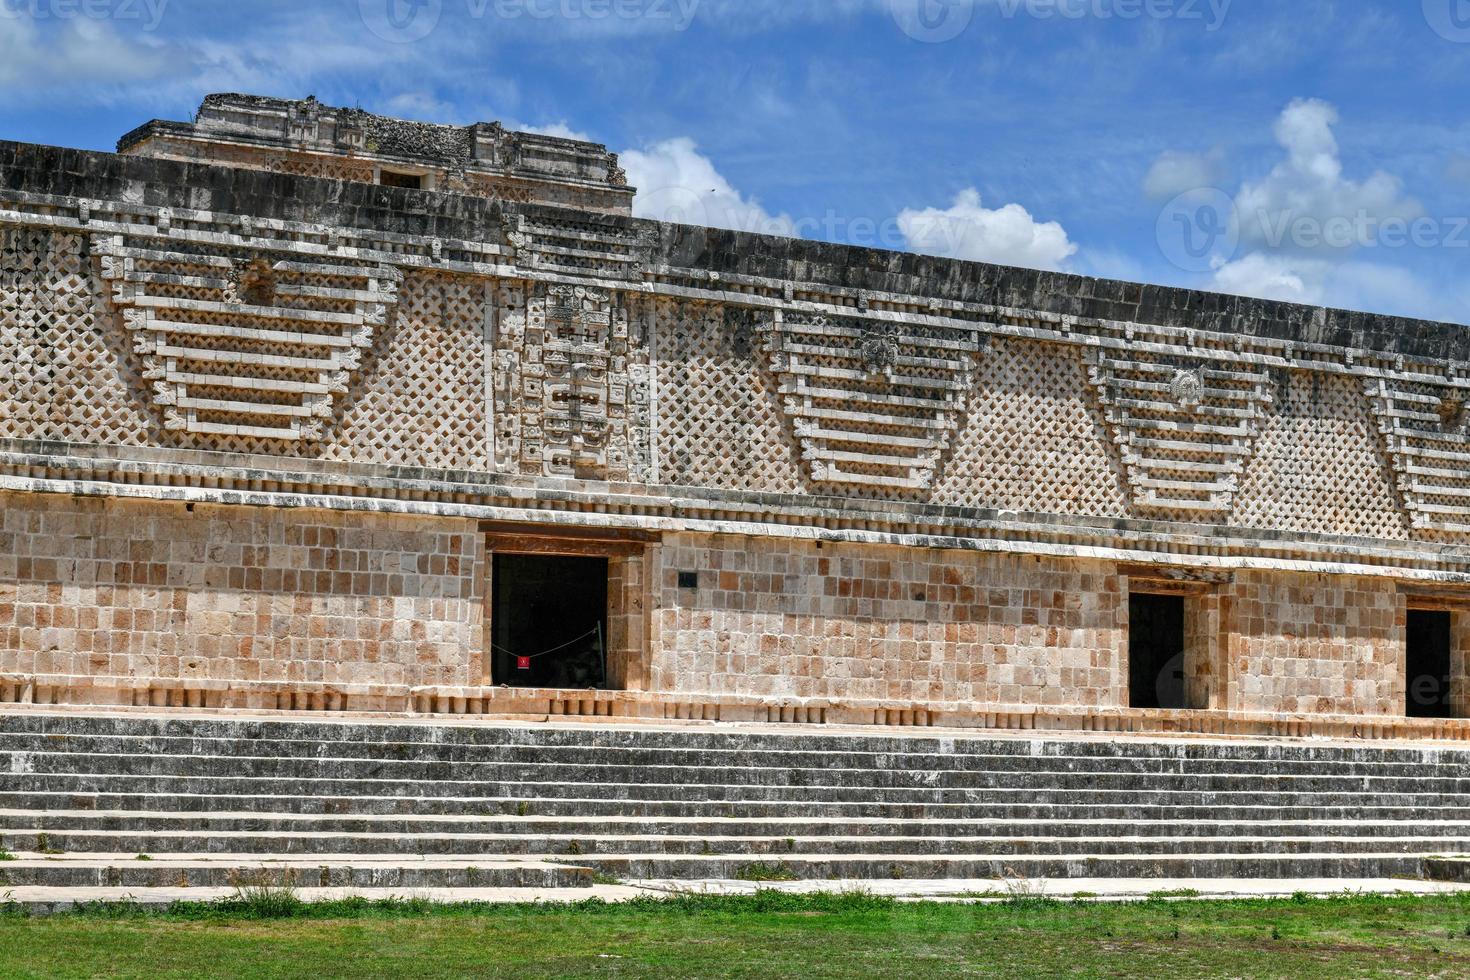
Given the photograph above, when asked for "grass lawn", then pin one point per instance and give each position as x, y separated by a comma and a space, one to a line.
765, 936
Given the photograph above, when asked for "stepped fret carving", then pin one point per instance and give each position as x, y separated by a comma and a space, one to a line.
584, 246
873, 403
246, 345
1424, 426
1185, 426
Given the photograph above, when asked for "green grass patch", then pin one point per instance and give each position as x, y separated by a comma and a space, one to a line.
769, 934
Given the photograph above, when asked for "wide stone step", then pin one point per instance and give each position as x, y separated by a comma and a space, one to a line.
1204, 794
823, 778
394, 845
449, 733
1077, 865
324, 871
1026, 810
582, 755
58, 823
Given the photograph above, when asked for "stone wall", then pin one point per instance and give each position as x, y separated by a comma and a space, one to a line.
1316, 644
773, 618
463, 374
142, 590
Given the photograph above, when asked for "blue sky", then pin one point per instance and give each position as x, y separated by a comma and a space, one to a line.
1298, 149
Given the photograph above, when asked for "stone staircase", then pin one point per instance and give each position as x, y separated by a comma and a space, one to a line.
139, 802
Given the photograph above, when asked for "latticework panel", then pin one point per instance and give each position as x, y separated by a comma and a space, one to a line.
1034, 440
1319, 466
307, 165
1186, 426
65, 372
875, 404
1424, 424
720, 422
421, 397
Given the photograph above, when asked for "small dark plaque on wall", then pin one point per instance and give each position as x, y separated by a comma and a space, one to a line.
688, 580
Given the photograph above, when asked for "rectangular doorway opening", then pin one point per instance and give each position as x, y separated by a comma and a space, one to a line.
1427, 661
1156, 652
549, 622
391, 178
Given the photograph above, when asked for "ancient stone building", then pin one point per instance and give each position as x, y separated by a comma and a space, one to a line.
306, 408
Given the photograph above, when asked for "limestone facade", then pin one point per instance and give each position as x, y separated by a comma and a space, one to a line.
263, 426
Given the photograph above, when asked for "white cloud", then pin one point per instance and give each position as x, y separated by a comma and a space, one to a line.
1368, 286
1008, 235
678, 183
1308, 189
1175, 173
80, 52
1293, 280
558, 129
1306, 228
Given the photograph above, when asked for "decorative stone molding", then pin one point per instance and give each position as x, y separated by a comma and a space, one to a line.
245, 344
577, 369
873, 403
1185, 425
1422, 419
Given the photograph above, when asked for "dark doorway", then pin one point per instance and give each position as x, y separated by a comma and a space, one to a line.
1427, 657
549, 623
393, 179
1156, 652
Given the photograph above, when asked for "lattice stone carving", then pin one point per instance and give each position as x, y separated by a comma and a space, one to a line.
720, 419
1423, 422
873, 403
245, 345
576, 366
1185, 426
1319, 465
1033, 440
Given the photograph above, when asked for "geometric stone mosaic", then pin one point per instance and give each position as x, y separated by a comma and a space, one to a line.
1423, 420
1319, 466
1033, 440
1185, 425
577, 365
873, 403
245, 345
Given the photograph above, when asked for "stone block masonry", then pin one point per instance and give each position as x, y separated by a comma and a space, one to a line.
151, 591
278, 385
835, 622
